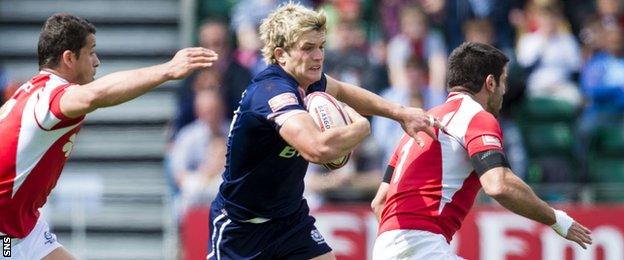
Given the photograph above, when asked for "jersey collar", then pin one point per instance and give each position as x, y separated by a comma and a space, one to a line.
277, 69
52, 75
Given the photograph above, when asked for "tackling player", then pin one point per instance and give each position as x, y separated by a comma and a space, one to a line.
39, 123
260, 212
428, 189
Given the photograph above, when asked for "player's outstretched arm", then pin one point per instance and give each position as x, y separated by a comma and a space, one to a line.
321, 147
119, 87
514, 194
413, 120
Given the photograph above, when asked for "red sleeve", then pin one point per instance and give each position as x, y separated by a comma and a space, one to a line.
483, 134
55, 101
48, 110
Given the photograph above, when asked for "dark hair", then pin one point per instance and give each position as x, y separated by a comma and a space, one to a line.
471, 63
62, 32
215, 21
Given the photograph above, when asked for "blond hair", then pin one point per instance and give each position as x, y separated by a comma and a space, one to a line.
284, 26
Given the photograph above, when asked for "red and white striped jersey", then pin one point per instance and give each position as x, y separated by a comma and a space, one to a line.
434, 186
35, 141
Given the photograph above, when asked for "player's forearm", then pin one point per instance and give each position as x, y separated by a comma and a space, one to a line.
120, 87
339, 142
366, 102
518, 197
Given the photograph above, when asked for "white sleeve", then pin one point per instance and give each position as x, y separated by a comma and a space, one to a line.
280, 119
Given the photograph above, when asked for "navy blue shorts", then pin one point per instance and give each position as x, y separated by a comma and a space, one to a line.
291, 237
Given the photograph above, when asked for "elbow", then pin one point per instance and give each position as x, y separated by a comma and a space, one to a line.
497, 183
496, 190
311, 157
327, 154
364, 127
367, 129
376, 205
320, 154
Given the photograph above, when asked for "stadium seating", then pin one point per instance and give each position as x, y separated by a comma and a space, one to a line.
606, 163
547, 128
112, 200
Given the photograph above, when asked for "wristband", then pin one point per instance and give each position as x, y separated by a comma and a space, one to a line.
563, 223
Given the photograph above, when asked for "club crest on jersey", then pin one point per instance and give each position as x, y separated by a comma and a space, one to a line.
282, 100
317, 237
491, 140
49, 237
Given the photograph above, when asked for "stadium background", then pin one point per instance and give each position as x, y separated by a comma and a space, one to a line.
118, 197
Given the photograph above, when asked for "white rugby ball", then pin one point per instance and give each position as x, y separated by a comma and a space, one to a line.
327, 113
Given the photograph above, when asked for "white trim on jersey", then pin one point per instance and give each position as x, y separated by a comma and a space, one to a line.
214, 234
44, 116
456, 166
33, 142
220, 237
280, 118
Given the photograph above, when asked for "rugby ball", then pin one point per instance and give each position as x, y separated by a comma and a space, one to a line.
327, 113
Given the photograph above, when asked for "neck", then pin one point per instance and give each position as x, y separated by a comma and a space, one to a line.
59, 72
480, 97
302, 84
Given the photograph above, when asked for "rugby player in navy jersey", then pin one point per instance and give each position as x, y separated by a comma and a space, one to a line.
260, 212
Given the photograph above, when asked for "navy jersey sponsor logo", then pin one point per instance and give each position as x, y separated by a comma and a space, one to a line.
289, 152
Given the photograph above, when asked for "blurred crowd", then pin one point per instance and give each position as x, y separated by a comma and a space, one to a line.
564, 55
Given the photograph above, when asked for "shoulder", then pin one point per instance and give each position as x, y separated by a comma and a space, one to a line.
268, 88
484, 119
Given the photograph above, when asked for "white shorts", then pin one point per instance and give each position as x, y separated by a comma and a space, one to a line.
38, 244
412, 244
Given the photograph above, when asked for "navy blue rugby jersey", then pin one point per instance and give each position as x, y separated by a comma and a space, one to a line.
263, 174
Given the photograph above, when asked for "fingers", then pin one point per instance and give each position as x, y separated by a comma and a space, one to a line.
586, 230
203, 59
202, 53
201, 65
438, 125
431, 120
197, 52
580, 235
430, 132
580, 243
199, 58
583, 232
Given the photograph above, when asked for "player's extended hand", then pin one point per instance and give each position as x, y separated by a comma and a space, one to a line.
414, 120
188, 60
579, 234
